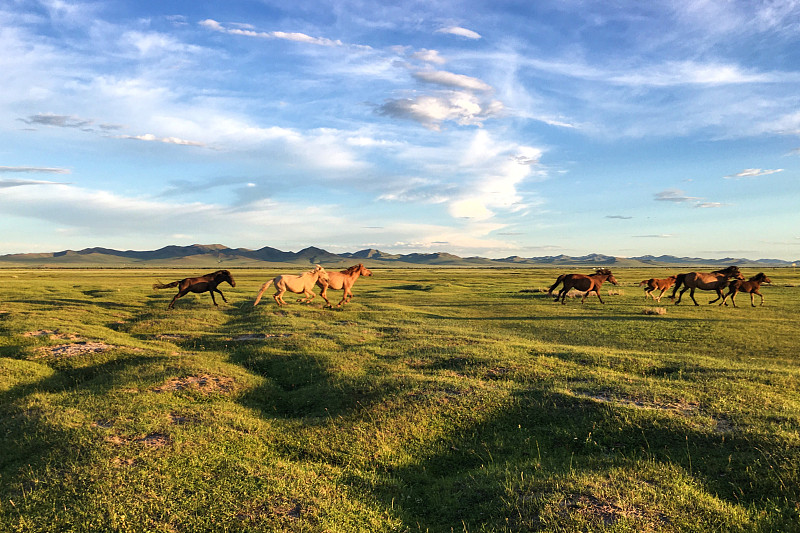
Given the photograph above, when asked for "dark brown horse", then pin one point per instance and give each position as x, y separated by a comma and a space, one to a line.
654, 284
583, 283
207, 283
713, 281
342, 281
752, 285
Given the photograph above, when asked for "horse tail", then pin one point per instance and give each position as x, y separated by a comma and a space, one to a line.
679, 280
554, 285
644, 282
261, 292
160, 285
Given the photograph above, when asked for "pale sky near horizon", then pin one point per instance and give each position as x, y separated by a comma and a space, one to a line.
490, 128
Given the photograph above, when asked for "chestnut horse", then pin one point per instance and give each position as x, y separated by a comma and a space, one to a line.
342, 281
207, 283
752, 285
713, 281
653, 284
580, 282
297, 283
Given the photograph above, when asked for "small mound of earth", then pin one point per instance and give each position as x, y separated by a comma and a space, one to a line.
205, 384
73, 349
259, 336
171, 337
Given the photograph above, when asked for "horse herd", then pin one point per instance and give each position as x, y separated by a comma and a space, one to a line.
297, 283
717, 280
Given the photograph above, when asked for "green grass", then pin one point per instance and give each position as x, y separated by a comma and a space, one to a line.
438, 400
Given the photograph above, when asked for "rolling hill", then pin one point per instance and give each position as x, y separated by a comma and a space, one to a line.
209, 255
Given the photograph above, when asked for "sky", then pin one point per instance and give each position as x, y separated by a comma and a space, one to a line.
493, 129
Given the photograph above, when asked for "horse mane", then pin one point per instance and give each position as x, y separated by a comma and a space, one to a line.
758, 277
352, 269
733, 269
603, 271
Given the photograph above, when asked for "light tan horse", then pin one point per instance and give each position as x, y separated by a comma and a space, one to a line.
654, 284
715, 280
297, 283
342, 281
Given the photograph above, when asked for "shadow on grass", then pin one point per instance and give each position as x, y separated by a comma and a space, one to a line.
549, 437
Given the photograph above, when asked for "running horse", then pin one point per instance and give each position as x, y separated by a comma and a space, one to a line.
654, 284
583, 283
752, 285
297, 283
342, 281
207, 283
713, 281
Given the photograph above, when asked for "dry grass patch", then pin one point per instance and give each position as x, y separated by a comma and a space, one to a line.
63, 351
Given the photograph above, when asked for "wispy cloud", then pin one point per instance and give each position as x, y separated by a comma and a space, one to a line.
34, 170
7, 183
619, 217
429, 56
449, 79
152, 138
461, 32
676, 196
753, 173
60, 121
287, 36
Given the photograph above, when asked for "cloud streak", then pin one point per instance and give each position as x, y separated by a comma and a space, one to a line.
753, 173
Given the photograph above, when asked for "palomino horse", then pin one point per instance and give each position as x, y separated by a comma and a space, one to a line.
654, 284
297, 283
713, 281
207, 283
342, 281
752, 285
580, 282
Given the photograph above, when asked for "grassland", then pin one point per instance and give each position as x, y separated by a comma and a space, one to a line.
438, 400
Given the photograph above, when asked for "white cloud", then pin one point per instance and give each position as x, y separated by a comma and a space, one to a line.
28, 170
152, 138
462, 32
288, 36
753, 173
674, 195
449, 79
429, 56
433, 110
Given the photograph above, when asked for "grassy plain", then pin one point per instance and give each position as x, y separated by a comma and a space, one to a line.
438, 400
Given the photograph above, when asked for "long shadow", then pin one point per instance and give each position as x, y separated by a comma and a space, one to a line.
550, 436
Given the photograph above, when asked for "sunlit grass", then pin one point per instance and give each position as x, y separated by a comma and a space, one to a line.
438, 399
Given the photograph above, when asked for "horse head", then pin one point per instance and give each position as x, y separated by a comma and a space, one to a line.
609, 276
761, 277
321, 273
226, 275
364, 271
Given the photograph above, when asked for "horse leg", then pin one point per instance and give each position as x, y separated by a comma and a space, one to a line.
181, 292
597, 292
719, 295
324, 294
223, 296
211, 292
679, 296
562, 294
691, 294
278, 296
660, 295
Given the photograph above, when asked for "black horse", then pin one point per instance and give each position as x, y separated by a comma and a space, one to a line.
207, 283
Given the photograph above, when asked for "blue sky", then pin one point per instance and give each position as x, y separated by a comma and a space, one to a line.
477, 128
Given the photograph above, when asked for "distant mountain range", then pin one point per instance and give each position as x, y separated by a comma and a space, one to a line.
208, 255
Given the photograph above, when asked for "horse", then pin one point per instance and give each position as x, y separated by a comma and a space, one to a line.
713, 281
207, 283
586, 284
653, 284
297, 283
752, 285
342, 281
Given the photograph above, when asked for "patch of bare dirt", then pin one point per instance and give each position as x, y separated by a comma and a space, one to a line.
154, 440
52, 333
259, 336
206, 384
62, 351
679, 406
